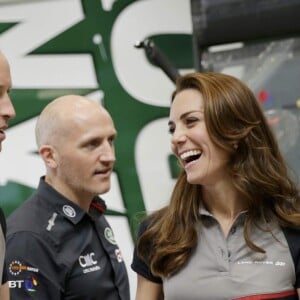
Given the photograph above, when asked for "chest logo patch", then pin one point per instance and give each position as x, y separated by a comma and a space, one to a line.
109, 235
88, 263
69, 211
87, 260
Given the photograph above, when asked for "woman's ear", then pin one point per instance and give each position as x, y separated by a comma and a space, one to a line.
48, 154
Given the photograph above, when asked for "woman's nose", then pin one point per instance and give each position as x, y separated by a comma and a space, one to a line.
179, 136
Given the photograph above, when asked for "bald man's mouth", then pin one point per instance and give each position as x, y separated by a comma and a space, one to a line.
103, 172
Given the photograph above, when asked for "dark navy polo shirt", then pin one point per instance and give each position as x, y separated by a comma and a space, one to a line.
55, 250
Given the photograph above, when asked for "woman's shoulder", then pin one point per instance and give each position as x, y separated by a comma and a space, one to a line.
292, 235
150, 220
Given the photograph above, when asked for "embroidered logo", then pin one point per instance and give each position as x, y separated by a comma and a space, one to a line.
87, 260
31, 284
109, 235
15, 268
88, 263
263, 262
51, 221
119, 256
69, 211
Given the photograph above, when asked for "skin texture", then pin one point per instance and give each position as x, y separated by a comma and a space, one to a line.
6, 108
4, 291
148, 290
7, 112
80, 159
188, 129
189, 132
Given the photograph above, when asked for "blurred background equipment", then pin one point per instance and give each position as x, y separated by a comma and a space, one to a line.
218, 22
257, 41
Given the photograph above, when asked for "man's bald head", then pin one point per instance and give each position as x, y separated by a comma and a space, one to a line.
59, 117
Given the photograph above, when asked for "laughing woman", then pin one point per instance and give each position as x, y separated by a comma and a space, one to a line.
230, 230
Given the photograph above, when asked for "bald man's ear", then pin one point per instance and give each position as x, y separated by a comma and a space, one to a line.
48, 154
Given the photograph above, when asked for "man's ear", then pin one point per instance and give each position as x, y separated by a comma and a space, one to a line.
48, 154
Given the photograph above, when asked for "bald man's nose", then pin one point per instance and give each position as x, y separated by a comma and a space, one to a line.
108, 152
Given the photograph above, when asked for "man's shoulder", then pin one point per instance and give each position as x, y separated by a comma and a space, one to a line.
27, 217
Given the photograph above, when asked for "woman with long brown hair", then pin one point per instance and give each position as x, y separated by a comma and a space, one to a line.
230, 229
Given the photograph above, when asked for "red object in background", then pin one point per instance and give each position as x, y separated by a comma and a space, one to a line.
263, 96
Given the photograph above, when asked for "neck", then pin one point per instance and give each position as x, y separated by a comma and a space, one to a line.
82, 200
224, 204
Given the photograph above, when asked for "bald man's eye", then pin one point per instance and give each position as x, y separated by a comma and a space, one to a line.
93, 144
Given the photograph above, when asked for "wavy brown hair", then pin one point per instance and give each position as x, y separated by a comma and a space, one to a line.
258, 170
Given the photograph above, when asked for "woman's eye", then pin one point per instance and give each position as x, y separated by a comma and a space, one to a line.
191, 120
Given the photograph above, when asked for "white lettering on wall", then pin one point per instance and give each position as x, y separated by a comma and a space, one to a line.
138, 21
39, 22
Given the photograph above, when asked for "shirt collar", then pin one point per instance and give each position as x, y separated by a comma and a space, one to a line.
64, 206
204, 212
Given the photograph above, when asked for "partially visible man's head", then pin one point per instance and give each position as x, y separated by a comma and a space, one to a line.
7, 110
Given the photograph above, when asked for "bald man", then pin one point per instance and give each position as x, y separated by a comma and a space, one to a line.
6, 113
59, 244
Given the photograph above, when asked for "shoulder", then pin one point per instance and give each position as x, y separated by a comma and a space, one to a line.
150, 220
139, 264
51, 237
292, 236
144, 225
26, 217
37, 220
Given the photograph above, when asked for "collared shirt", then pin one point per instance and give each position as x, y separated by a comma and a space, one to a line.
55, 250
226, 268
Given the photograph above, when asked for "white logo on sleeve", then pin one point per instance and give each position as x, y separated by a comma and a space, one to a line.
119, 255
109, 235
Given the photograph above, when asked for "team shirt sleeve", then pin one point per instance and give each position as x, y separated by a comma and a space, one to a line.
32, 270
